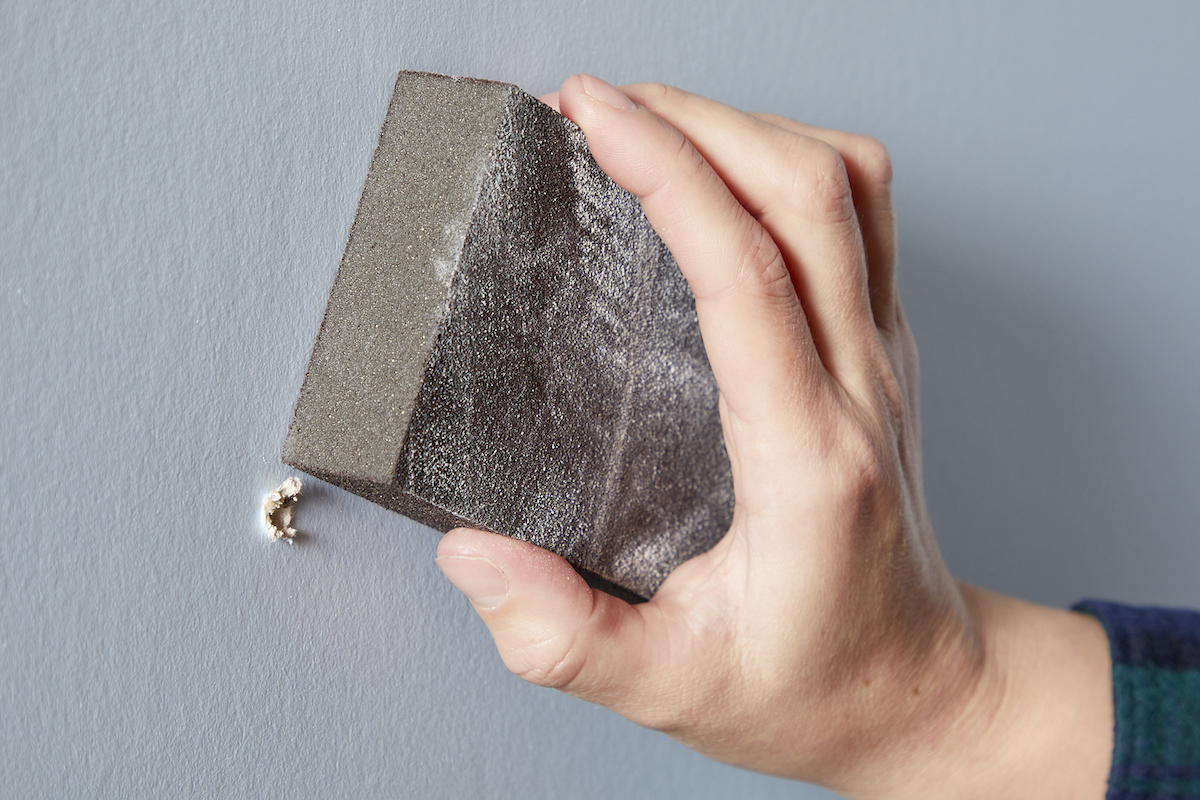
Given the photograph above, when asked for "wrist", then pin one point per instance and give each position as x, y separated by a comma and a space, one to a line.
1037, 718
938, 694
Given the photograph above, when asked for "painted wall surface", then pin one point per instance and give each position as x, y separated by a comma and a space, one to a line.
176, 184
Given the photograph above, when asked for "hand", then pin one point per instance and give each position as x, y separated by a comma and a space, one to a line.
823, 637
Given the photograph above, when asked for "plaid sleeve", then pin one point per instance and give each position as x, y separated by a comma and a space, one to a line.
1156, 701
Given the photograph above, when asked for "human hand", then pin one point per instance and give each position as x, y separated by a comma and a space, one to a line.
823, 637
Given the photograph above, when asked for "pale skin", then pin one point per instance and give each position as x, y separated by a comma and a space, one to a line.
823, 638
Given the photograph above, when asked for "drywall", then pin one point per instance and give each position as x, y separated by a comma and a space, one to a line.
177, 183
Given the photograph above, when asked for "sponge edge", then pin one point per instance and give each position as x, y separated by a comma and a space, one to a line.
508, 345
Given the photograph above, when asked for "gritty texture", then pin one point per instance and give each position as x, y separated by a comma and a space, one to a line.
390, 293
566, 399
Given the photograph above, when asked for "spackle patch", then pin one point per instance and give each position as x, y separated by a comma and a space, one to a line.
277, 509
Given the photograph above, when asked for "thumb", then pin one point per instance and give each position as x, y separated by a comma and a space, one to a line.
550, 627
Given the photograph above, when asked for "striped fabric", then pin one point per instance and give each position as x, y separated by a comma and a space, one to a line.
1156, 698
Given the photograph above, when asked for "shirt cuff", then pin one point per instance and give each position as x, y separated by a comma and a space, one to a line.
1156, 700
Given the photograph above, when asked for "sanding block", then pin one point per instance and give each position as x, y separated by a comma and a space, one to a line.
508, 345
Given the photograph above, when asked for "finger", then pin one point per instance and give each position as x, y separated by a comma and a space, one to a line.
550, 99
552, 629
797, 187
869, 168
754, 329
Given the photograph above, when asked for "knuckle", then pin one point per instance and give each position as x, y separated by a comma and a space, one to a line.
555, 662
868, 486
891, 369
892, 400
874, 161
662, 94
855, 476
774, 119
764, 269
818, 181
691, 162
687, 167
861, 467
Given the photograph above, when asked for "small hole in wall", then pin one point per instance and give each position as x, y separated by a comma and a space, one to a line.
277, 510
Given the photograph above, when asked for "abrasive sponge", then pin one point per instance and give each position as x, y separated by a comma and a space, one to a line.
508, 345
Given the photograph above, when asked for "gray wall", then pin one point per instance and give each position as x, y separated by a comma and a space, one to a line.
177, 184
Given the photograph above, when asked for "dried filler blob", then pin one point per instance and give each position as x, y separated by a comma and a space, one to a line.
277, 509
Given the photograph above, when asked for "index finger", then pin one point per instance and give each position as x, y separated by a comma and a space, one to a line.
754, 329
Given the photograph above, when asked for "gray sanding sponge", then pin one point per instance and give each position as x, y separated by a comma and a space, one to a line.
508, 345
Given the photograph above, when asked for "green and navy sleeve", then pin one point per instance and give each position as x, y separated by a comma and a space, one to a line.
1156, 701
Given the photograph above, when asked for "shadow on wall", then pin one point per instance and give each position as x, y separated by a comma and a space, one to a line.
1059, 436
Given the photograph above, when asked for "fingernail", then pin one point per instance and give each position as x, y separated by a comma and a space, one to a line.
609, 95
477, 578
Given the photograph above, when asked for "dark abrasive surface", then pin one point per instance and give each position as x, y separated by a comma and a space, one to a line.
565, 398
